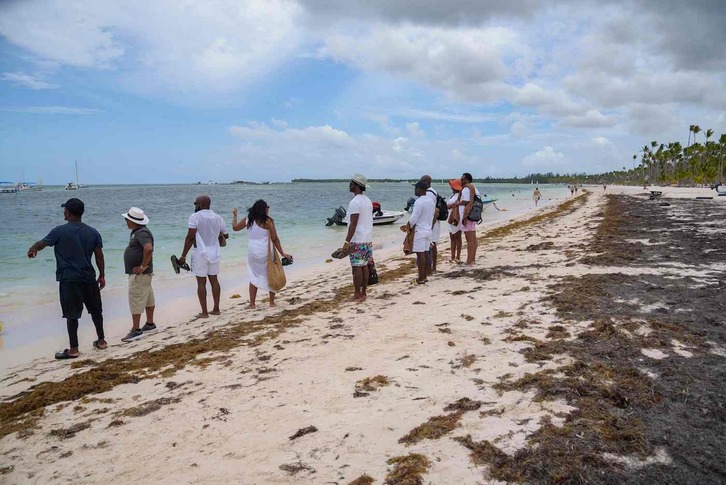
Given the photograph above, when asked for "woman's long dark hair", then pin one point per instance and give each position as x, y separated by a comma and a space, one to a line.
257, 213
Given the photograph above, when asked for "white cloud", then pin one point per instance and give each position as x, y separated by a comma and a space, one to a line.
464, 61
546, 158
415, 130
25, 80
165, 47
602, 141
58, 110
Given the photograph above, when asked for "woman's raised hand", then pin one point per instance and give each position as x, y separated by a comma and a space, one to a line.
234, 212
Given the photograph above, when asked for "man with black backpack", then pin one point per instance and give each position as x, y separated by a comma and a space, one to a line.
441, 214
469, 219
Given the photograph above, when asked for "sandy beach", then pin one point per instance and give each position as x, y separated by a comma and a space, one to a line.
587, 344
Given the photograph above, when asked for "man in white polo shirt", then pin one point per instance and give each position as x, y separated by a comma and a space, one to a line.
206, 231
359, 239
433, 254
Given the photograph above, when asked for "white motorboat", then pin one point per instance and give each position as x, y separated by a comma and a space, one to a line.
380, 218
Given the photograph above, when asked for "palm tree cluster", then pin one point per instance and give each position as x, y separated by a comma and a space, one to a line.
696, 164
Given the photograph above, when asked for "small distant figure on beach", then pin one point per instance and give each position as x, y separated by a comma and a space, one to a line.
454, 221
261, 233
536, 196
207, 234
572, 190
466, 201
604, 187
433, 254
359, 238
139, 265
421, 220
74, 243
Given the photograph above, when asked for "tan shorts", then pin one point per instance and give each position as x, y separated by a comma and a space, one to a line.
141, 294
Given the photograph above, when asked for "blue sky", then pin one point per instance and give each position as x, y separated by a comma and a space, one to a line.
177, 91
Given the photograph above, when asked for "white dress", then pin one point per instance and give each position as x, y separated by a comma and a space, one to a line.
257, 247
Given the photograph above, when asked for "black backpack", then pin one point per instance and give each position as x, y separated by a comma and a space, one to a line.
476, 209
443, 208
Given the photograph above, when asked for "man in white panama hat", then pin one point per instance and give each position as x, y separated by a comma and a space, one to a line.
359, 239
139, 266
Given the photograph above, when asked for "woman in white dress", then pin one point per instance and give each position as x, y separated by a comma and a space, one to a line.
260, 231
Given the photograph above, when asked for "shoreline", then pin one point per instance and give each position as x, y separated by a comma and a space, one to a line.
175, 297
459, 376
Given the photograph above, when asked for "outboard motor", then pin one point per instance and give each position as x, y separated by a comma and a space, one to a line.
409, 204
338, 217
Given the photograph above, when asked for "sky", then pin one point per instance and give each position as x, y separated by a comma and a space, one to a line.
180, 91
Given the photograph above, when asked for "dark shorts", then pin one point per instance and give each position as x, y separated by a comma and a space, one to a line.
73, 295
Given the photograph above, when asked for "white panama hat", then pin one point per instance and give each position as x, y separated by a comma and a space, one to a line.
137, 216
361, 180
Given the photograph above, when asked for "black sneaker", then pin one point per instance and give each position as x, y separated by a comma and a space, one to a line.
133, 335
149, 327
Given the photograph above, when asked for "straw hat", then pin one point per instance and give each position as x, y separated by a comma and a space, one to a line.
137, 216
361, 180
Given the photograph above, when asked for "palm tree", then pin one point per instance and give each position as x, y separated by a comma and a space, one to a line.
704, 155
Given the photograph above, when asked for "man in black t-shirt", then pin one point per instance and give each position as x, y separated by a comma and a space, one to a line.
74, 243
139, 266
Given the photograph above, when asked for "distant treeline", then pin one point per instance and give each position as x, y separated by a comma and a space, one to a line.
542, 178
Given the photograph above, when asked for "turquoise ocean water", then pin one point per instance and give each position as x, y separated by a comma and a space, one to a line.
300, 209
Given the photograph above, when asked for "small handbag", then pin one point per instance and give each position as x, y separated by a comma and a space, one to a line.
372, 273
408, 241
275, 273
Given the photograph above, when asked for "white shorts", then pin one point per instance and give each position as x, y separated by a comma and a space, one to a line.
201, 267
436, 232
421, 242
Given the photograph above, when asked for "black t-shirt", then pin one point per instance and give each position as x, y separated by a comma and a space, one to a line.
74, 243
134, 253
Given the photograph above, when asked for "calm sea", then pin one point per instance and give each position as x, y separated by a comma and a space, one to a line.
299, 211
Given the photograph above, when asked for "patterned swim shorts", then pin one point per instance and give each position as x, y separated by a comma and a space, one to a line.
360, 253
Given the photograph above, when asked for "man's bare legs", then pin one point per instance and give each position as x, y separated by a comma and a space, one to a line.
433, 256
150, 314
360, 283
216, 293
202, 295
471, 245
421, 264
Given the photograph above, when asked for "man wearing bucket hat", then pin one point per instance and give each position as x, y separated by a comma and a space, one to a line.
139, 265
74, 243
359, 239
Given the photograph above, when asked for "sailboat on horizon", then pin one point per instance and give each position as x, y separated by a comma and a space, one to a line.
76, 185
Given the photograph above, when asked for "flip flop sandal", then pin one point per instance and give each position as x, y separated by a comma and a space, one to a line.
63, 355
98, 346
177, 265
417, 282
338, 253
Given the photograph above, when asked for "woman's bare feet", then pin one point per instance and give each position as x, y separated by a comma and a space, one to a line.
251, 306
202, 315
215, 312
